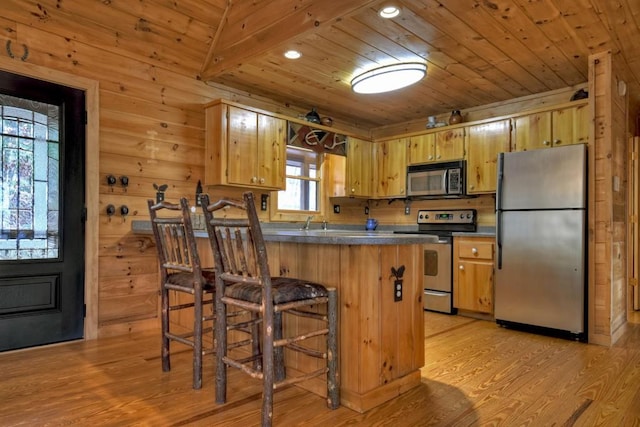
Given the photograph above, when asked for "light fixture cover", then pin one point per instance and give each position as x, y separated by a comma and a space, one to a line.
292, 54
389, 11
389, 77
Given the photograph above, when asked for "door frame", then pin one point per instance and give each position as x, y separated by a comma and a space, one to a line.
92, 186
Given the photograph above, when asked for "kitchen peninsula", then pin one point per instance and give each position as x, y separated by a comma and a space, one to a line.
381, 332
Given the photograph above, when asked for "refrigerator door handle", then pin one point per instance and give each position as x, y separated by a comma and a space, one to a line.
499, 239
499, 209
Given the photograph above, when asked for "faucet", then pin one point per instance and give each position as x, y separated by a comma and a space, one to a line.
324, 224
306, 223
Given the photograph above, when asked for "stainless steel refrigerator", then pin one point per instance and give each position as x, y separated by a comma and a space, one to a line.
540, 278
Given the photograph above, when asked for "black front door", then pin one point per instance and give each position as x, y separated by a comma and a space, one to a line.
42, 131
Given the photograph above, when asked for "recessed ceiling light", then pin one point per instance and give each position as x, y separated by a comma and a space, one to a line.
292, 54
389, 12
389, 77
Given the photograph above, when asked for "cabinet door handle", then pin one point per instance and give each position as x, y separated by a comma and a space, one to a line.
461, 267
474, 251
556, 141
545, 142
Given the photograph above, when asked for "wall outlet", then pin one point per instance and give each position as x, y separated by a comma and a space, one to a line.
336, 209
397, 290
407, 210
263, 202
366, 210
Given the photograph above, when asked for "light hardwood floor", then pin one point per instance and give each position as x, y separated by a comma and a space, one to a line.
476, 373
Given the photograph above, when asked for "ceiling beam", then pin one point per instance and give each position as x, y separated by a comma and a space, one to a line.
255, 29
216, 36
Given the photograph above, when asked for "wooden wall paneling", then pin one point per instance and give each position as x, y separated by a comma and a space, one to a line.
370, 300
351, 303
392, 212
389, 365
151, 148
126, 36
191, 24
163, 113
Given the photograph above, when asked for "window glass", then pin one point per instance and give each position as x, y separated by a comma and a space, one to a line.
302, 179
29, 164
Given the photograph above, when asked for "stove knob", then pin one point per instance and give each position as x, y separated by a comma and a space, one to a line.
461, 216
468, 215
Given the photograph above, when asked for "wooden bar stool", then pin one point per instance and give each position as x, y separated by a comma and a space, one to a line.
181, 271
243, 281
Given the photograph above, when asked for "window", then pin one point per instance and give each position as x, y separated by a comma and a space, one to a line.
29, 166
303, 181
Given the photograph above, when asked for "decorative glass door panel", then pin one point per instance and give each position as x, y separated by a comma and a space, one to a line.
30, 179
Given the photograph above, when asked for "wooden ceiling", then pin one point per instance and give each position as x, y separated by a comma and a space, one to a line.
478, 51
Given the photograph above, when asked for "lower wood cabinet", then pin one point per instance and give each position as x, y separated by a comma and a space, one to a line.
473, 267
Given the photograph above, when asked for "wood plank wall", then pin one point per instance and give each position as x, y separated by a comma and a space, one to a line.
152, 131
608, 227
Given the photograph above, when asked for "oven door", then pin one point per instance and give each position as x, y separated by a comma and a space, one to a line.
437, 267
437, 278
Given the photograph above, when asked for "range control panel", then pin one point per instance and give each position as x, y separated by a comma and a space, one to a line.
454, 216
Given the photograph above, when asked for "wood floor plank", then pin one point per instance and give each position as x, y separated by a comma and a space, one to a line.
476, 374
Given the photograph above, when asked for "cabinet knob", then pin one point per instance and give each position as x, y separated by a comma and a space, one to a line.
402, 191
353, 190
254, 179
474, 251
471, 187
545, 142
461, 267
556, 141
261, 180
439, 156
430, 157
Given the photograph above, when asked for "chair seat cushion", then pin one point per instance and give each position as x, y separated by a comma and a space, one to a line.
284, 289
186, 280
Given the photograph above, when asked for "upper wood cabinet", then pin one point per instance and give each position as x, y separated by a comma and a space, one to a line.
244, 148
391, 167
437, 146
359, 180
485, 142
563, 126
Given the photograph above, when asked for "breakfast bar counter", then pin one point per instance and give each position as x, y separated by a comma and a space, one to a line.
378, 276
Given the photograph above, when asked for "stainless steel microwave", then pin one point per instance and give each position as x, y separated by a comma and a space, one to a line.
442, 179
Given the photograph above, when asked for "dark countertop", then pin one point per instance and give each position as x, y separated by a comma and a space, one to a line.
482, 232
332, 236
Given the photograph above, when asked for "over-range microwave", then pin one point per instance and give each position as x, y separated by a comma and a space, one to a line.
441, 179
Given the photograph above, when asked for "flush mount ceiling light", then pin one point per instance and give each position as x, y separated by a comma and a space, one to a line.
292, 54
389, 11
389, 77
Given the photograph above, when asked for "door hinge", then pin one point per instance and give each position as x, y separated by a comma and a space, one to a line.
84, 310
86, 117
83, 215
